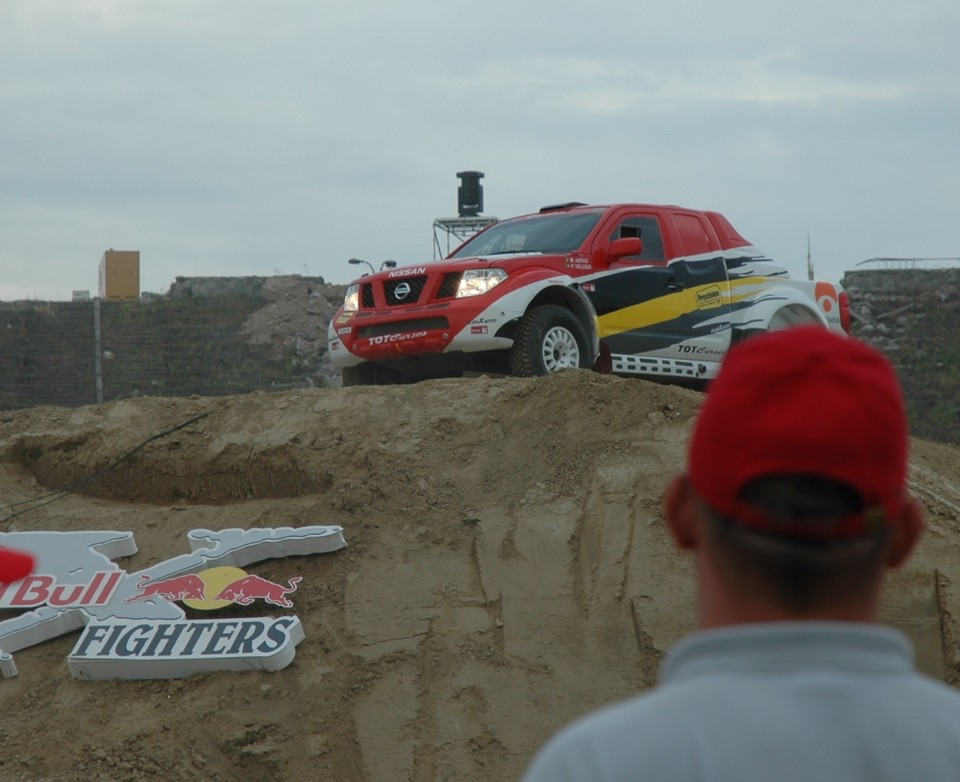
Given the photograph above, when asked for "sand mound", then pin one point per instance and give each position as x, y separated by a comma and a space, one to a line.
507, 570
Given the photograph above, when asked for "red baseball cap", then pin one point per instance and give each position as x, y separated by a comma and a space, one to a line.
806, 402
14, 565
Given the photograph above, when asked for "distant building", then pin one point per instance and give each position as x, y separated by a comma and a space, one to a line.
119, 276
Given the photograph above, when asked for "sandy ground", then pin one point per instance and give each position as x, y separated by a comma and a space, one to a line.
507, 570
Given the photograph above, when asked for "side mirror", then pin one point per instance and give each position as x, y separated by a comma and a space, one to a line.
624, 248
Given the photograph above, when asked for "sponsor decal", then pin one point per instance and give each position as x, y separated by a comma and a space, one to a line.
132, 627
411, 272
709, 298
577, 262
699, 350
344, 318
481, 325
386, 339
344, 330
826, 296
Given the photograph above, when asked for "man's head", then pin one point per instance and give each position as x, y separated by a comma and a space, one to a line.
806, 402
798, 465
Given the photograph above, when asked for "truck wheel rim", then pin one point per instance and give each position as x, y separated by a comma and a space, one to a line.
560, 350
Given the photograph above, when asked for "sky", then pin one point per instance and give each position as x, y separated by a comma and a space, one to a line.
246, 137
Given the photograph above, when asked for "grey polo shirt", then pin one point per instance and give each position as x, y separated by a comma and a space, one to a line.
772, 702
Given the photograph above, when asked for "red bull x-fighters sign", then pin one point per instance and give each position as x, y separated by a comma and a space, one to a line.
132, 626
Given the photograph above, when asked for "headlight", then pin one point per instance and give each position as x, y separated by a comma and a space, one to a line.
477, 281
351, 302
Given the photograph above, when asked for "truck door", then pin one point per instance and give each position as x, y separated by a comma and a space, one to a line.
676, 308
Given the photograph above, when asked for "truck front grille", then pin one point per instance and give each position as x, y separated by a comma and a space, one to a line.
448, 288
405, 291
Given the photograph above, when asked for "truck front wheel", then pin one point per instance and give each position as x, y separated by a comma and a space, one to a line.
549, 338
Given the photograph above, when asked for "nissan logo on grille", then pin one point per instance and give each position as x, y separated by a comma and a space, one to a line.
404, 291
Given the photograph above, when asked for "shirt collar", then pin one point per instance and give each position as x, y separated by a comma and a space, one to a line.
793, 646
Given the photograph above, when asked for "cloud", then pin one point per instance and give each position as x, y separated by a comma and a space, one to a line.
218, 136
600, 87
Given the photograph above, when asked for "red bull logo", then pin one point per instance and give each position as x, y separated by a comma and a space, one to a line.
42, 589
186, 587
249, 588
215, 588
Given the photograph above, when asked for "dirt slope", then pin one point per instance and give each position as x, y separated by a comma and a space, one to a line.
507, 570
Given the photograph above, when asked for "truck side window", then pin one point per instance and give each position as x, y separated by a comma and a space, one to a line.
648, 229
693, 235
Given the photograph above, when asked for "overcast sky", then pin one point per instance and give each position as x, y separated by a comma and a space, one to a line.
243, 137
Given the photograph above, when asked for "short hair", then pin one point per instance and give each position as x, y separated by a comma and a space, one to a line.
800, 574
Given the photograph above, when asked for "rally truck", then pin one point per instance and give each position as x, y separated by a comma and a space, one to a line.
659, 292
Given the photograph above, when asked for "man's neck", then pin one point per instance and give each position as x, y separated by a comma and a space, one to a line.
712, 616
722, 602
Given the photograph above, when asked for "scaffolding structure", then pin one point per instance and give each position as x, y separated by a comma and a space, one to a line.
457, 230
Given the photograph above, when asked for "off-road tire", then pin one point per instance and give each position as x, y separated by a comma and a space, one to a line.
549, 339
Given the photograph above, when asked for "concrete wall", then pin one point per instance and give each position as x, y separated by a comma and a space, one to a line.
897, 280
225, 335
913, 316
196, 339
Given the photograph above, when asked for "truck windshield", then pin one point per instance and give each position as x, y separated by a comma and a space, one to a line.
551, 233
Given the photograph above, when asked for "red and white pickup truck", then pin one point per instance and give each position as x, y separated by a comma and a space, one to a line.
634, 289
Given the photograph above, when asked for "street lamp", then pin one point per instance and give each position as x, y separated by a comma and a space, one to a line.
384, 265
356, 261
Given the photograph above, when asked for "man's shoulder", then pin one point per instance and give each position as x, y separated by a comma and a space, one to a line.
931, 694
608, 743
644, 722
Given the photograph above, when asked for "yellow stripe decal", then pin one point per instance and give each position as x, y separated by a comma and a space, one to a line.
674, 305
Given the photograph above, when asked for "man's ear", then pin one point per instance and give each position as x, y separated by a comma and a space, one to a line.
905, 532
680, 504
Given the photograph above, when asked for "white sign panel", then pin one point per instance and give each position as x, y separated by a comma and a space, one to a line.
132, 625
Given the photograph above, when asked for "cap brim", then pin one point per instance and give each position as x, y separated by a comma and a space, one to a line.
14, 565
